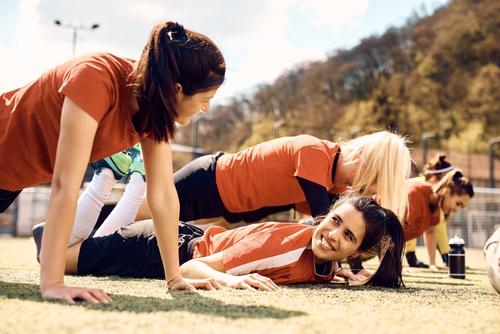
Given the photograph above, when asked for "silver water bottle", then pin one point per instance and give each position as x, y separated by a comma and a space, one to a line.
456, 257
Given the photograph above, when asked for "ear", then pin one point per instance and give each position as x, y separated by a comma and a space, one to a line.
178, 88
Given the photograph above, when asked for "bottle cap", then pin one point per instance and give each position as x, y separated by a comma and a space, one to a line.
456, 240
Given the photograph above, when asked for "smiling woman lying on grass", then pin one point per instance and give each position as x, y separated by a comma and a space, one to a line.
255, 256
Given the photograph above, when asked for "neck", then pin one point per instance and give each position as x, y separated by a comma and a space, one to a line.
344, 174
133, 104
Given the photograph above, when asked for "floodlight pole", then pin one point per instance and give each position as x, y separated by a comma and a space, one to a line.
491, 154
425, 144
75, 29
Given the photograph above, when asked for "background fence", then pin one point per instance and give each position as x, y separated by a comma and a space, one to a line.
475, 223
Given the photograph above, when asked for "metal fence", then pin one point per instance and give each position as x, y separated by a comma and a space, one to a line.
475, 223
479, 219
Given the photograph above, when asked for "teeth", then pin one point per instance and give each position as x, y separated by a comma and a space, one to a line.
325, 243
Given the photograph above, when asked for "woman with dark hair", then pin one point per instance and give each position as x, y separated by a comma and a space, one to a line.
92, 107
433, 172
293, 252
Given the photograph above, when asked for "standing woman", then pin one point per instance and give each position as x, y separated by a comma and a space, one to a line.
91, 107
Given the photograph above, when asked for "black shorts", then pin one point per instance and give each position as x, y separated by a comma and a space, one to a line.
133, 252
199, 196
6, 198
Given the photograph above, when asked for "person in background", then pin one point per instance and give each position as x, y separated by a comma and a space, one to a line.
433, 172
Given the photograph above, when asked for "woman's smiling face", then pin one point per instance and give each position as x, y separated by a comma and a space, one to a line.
339, 235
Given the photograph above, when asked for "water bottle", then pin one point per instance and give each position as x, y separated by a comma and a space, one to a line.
456, 257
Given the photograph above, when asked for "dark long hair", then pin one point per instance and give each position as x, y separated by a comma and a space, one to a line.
384, 235
173, 55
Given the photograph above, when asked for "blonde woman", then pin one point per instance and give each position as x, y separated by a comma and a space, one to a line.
301, 172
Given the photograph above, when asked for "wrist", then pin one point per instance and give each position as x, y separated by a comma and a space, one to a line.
173, 280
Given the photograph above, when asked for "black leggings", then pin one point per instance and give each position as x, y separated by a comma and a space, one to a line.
133, 251
199, 196
6, 198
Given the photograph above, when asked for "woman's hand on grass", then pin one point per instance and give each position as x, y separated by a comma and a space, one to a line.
362, 276
73, 294
434, 268
190, 284
251, 282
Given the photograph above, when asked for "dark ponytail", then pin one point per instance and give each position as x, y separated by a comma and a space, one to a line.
456, 182
173, 55
389, 272
383, 235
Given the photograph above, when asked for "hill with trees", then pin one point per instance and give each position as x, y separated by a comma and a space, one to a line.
438, 73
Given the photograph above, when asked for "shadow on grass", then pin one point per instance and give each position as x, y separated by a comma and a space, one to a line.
334, 286
463, 283
182, 301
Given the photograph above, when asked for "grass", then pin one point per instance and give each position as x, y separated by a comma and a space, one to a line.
431, 302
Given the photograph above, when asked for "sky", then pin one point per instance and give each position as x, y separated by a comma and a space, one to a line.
260, 39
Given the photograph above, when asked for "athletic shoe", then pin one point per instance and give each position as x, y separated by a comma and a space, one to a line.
411, 257
37, 231
119, 164
135, 150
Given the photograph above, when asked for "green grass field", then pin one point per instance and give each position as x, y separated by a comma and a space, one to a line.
430, 303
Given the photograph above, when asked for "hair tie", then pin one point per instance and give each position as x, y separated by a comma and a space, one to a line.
177, 33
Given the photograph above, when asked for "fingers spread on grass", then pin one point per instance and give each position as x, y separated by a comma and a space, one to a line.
262, 282
215, 284
87, 296
245, 285
100, 295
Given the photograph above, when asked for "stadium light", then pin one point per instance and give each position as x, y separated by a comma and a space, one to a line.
425, 144
491, 154
75, 29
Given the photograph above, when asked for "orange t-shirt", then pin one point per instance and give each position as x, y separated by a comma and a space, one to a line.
280, 251
30, 116
419, 217
265, 174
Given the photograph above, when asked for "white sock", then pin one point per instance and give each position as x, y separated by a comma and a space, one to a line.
126, 210
90, 204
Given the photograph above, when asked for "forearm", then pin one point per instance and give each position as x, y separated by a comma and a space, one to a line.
198, 269
59, 222
430, 243
166, 222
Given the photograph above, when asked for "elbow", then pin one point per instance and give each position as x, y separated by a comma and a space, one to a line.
63, 190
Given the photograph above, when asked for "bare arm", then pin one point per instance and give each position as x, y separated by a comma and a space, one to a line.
163, 202
76, 138
211, 267
430, 244
164, 205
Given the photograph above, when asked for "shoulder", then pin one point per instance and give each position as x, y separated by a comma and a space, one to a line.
419, 186
100, 63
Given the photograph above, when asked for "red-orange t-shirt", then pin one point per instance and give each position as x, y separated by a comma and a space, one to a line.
265, 174
280, 251
419, 217
30, 116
